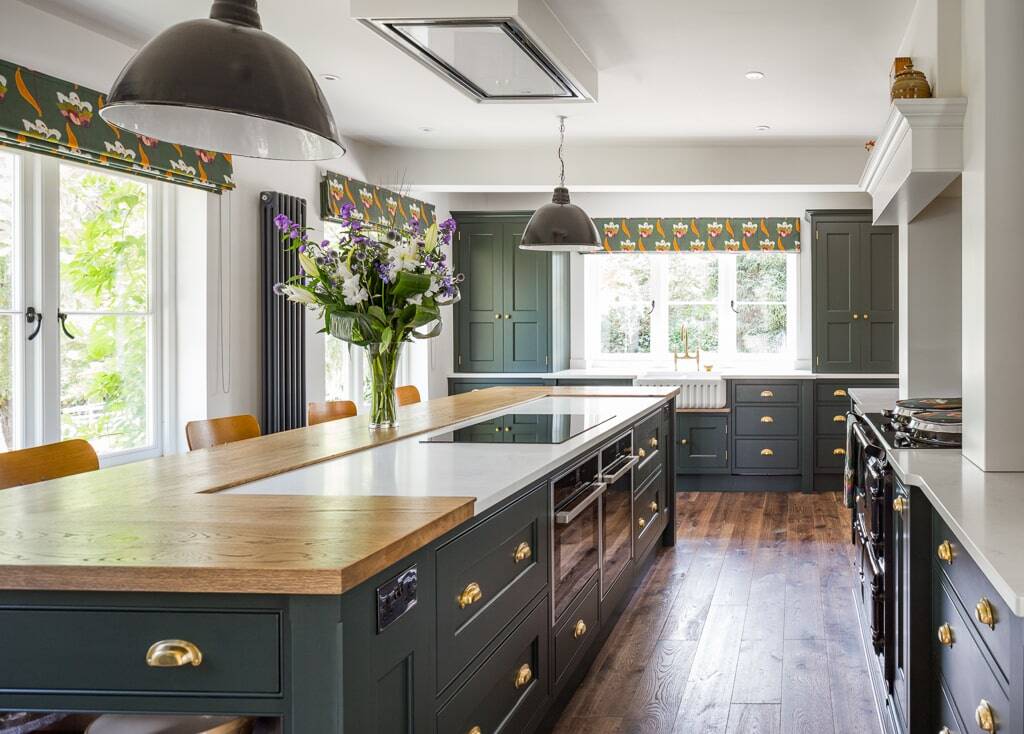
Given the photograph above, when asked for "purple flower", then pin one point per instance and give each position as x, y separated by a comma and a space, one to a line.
302, 248
447, 225
279, 287
281, 221
346, 210
414, 225
355, 225
325, 243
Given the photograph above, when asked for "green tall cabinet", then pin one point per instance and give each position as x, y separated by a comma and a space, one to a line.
855, 293
504, 322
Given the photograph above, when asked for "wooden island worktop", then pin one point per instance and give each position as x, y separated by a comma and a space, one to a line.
160, 525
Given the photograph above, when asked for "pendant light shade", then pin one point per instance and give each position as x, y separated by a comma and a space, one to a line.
223, 84
561, 226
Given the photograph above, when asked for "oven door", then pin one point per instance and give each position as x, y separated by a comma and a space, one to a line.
576, 532
873, 589
617, 463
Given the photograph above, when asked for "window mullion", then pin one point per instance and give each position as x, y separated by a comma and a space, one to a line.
659, 319
727, 317
45, 243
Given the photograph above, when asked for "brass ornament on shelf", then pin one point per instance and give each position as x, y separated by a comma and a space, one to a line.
910, 83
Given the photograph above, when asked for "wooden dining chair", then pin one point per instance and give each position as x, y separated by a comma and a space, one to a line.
407, 394
330, 410
215, 431
39, 463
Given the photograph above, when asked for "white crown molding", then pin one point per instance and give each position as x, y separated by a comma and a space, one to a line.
918, 154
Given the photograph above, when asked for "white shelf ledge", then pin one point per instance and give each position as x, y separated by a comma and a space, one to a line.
918, 154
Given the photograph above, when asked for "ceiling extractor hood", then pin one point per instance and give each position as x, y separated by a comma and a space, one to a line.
492, 50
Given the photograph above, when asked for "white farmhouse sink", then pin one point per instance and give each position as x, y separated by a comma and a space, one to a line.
696, 390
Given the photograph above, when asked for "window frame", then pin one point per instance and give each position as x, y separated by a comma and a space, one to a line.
659, 353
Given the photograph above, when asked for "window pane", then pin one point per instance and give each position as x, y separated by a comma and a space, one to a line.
624, 293
761, 277
6, 230
103, 241
692, 277
6, 384
761, 329
701, 323
335, 369
104, 381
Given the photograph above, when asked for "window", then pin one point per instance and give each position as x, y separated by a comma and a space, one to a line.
88, 263
734, 307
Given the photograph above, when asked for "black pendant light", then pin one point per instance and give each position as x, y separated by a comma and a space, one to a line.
561, 226
223, 84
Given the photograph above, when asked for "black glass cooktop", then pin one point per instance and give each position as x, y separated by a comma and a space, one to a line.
550, 428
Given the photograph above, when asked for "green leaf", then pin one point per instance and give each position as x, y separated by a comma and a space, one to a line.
410, 284
386, 335
377, 313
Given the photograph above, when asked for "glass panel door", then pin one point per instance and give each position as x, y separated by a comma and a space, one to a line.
11, 333
105, 312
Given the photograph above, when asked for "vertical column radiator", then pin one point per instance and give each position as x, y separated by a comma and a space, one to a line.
284, 334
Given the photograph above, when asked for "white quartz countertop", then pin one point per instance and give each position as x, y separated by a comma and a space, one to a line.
751, 372
490, 472
873, 399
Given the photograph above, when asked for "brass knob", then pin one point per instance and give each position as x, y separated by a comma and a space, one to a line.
839, 452
767, 419
767, 452
470, 595
653, 506
839, 393
653, 443
683, 441
900, 504
173, 654
508, 316
523, 675
767, 394
523, 551
497, 429
865, 317
945, 552
641, 453
497, 315
508, 429
985, 613
946, 634
839, 419
856, 316
475, 730
641, 522
985, 716
945, 730
580, 629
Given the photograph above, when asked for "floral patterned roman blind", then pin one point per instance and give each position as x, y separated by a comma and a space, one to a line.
696, 234
48, 115
373, 202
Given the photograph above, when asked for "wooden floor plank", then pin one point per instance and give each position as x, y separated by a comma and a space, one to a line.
852, 702
750, 718
806, 698
706, 700
655, 702
759, 671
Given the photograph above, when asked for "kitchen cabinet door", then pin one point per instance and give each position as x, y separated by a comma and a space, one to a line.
703, 443
481, 340
836, 266
526, 293
878, 290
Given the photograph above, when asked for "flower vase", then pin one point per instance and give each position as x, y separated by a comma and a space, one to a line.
383, 364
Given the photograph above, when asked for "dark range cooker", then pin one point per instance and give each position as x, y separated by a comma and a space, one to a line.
875, 497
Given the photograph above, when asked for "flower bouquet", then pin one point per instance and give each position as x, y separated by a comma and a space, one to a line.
378, 287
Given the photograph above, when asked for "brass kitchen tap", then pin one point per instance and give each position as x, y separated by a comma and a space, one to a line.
685, 335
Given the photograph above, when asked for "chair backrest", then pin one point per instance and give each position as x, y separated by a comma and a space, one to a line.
39, 463
215, 431
407, 395
329, 411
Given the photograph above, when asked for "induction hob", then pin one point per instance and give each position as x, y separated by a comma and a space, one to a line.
533, 428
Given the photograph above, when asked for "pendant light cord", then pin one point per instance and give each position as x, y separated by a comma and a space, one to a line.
561, 144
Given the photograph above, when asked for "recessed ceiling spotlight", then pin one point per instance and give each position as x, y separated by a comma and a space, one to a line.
762, 128
330, 77
426, 129
754, 75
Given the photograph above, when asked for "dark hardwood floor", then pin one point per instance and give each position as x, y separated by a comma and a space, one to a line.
747, 625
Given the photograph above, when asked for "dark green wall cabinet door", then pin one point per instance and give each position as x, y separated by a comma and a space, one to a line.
855, 294
504, 317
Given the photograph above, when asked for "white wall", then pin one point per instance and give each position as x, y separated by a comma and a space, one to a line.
932, 40
769, 204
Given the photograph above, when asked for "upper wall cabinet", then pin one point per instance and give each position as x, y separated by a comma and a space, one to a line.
504, 320
855, 293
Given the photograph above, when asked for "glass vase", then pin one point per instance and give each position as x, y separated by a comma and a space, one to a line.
383, 363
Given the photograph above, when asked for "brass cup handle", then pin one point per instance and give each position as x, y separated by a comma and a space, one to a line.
523, 675
839, 452
985, 613
470, 595
839, 393
173, 654
856, 316
641, 522
839, 419
641, 453
767, 419
653, 506
985, 716
579, 629
654, 443
683, 441
900, 504
946, 634
523, 552
767, 452
475, 730
945, 552
767, 394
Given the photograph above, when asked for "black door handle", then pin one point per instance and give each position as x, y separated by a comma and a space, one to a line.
33, 317
63, 319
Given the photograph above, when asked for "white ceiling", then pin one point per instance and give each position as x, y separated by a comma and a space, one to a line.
671, 71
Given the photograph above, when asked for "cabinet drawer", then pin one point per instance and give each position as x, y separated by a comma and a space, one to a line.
948, 717
767, 456
768, 420
830, 420
773, 392
649, 443
577, 632
830, 453
832, 392
649, 515
962, 665
106, 650
970, 586
501, 697
481, 584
